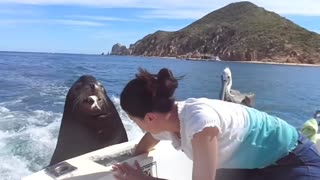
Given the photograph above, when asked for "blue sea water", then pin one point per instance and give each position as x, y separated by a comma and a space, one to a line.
33, 87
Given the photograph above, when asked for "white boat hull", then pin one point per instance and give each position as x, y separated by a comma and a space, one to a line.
163, 162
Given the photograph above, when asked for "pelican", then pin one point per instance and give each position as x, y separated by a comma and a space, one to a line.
228, 94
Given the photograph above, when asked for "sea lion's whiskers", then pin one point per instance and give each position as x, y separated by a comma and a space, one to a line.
76, 103
105, 102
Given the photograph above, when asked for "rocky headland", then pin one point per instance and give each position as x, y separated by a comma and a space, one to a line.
237, 32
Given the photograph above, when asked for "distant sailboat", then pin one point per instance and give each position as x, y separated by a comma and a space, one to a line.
215, 58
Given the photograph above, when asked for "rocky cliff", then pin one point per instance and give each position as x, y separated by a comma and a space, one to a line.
119, 49
238, 32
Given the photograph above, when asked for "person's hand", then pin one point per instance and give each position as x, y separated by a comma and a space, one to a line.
126, 172
145, 145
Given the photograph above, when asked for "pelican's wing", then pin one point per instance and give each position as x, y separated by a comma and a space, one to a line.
235, 96
249, 100
241, 98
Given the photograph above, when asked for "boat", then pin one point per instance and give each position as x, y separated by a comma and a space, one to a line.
217, 58
163, 161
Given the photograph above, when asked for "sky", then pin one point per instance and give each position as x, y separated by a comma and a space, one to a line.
94, 26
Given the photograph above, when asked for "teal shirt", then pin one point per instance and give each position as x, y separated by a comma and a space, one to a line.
268, 139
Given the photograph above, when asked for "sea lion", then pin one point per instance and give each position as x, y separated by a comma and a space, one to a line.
90, 121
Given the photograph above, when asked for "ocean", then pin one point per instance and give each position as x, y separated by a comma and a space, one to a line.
33, 87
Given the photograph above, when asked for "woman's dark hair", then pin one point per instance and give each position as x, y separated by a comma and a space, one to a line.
149, 93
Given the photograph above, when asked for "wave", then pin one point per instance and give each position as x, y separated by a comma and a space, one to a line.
28, 138
27, 141
133, 131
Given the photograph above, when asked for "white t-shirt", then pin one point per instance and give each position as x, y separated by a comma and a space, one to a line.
247, 138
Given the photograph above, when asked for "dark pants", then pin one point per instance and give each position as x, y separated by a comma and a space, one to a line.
303, 163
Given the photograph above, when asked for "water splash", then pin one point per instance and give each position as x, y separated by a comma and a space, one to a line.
134, 132
27, 141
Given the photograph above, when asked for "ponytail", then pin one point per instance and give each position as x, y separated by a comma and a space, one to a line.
149, 93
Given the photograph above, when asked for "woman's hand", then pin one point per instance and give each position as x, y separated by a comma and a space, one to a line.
146, 144
126, 172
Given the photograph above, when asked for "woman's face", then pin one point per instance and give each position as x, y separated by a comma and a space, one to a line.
140, 122
150, 123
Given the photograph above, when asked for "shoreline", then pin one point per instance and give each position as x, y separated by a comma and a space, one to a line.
248, 62
278, 63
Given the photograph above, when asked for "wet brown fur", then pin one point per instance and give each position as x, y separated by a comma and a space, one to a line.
84, 129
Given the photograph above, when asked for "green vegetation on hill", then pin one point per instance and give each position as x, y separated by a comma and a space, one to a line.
240, 31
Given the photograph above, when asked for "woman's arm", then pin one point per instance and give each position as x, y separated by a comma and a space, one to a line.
126, 172
146, 144
205, 150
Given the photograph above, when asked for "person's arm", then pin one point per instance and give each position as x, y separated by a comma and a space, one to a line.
126, 172
146, 144
205, 150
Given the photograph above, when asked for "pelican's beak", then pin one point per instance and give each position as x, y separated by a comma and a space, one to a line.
223, 88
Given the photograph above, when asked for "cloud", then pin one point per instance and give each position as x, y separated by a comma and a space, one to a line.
18, 21
292, 7
99, 18
7, 11
111, 34
78, 22
11, 11
174, 14
50, 21
181, 9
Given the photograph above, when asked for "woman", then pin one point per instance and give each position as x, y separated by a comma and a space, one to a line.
225, 140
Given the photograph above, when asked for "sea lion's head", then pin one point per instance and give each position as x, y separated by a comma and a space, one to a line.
87, 96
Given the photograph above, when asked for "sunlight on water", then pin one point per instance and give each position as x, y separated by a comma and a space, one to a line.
34, 86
